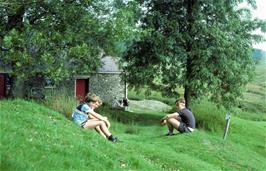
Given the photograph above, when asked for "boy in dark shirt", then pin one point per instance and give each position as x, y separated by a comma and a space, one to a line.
183, 120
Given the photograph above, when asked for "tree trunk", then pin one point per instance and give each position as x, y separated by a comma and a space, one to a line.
187, 96
33, 87
190, 20
188, 91
15, 20
12, 81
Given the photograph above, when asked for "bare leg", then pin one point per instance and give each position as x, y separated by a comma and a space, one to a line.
106, 122
98, 129
94, 123
170, 128
104, 129
172, 123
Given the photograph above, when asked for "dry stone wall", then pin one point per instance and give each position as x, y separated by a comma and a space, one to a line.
108, 86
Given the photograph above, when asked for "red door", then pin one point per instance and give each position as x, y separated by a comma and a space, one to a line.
2, 86
81, 88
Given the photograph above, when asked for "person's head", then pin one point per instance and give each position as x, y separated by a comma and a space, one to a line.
180, 103
92, 100
99, 102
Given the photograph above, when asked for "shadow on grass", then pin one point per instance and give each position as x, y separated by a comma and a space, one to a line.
130, 117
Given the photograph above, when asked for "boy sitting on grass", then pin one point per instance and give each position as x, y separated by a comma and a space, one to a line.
86, 118
183, 120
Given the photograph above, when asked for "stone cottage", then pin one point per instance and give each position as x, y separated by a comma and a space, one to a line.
106, 83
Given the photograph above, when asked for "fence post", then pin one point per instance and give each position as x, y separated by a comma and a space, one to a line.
227, 119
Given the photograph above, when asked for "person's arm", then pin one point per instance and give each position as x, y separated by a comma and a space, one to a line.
100, 117
97, 115
107, 123
168, 116
172, 115
91, 116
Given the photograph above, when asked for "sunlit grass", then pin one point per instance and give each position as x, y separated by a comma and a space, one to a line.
34, 137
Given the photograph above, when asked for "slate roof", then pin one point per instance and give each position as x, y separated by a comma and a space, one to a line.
109, 65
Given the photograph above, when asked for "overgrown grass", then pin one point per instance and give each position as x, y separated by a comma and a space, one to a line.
208, 116
61, 101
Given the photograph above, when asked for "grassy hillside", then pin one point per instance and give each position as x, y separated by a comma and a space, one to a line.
34, 137
254, 99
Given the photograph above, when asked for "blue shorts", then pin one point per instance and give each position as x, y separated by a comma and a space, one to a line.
79, 117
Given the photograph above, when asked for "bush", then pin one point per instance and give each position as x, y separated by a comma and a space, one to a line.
209, 116
61, 101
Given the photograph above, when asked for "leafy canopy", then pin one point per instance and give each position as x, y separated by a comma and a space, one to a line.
61, 38
203, 46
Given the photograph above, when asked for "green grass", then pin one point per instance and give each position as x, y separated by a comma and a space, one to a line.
34, 137
140, 94
254, 99
61, 101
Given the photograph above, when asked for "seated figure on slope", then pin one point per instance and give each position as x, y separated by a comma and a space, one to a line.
85, 116
183, 120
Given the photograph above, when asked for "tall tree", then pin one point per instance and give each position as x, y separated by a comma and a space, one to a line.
203, 46
55, 39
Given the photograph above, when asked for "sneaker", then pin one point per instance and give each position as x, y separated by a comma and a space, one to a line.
114, 139
170, 134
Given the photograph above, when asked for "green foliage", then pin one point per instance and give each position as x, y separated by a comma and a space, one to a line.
62, 38
58, 39
201, 46
44, 40
211, 117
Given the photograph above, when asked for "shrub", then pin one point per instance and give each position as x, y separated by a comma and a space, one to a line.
61, 101
208, 116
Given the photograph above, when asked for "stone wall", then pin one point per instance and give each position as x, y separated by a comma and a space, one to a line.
108, 86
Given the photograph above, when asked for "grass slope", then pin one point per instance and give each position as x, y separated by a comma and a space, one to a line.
34, 137
254, 99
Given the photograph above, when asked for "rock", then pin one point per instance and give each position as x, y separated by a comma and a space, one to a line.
150, 105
